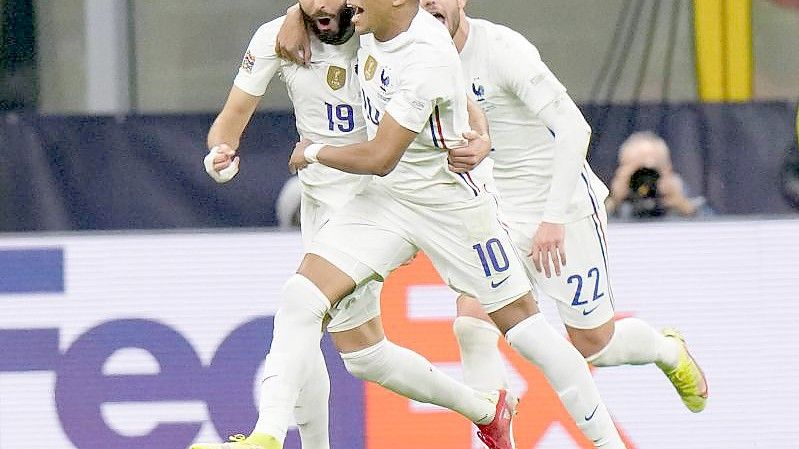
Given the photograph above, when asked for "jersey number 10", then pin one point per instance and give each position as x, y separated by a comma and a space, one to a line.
496, 254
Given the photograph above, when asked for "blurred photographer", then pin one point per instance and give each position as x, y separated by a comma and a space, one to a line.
645, 184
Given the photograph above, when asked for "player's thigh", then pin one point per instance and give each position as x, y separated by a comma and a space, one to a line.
312, 215
361, 306
472, 252
316, 211
359, 338
582, 292
363, 240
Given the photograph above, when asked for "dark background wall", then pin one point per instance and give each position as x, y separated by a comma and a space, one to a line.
146, 172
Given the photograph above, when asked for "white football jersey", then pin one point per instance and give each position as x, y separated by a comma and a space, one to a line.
417, 79
512, 85
326, 99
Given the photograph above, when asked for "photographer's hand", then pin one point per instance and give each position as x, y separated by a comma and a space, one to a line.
671, 193
620, 184
548, 244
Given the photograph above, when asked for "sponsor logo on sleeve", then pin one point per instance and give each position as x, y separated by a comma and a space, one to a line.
248, 63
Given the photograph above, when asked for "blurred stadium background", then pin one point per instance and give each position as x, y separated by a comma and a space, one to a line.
115, 330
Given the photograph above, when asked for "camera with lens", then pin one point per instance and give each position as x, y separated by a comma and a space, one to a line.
643, 196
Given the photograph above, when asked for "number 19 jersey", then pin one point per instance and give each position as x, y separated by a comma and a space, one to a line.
326, 99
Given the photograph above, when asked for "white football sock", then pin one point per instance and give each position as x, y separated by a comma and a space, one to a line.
483, 366
635, 342
311, 411
295, 344
411, 375
568, 374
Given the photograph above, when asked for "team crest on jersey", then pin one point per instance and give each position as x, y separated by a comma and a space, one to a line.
385, 79
369, 68
336, 77
478, 90
248, 62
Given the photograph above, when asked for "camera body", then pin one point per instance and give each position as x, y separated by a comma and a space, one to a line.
643, 195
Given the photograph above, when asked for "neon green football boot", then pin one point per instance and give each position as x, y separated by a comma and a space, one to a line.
687, 378
254, 441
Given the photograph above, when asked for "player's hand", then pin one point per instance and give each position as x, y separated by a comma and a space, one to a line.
297, 161
467, 158
548, 246
221, 163
293, 43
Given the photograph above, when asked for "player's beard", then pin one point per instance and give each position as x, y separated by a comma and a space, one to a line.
345, 27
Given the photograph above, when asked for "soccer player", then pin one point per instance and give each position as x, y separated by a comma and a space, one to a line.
553, 205
415, 105
327, 103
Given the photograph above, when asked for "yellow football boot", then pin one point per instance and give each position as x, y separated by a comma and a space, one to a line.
687, 377
254, 441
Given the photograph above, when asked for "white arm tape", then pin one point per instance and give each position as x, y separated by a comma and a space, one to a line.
223, 175
312, 152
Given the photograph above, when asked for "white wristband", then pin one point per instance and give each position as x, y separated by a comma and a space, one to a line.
311, 153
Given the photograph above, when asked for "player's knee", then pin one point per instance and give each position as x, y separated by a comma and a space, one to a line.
514, 313
591, 346
329, 279
367, 364
471, 332
302, 300
591, 343
468, 306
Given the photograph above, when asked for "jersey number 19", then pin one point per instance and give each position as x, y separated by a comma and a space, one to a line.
340, 117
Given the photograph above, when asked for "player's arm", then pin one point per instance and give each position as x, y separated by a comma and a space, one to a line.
405, 116
378, 156
537, 87
222, 163
572, 136
519, 65
293, 42
230, 123
467, 158
257, 69
478, 121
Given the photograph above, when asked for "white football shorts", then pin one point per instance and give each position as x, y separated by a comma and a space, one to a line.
351, 311
377, 232
582, 291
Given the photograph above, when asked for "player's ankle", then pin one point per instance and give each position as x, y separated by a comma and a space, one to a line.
669, 355
492, 398
264, 440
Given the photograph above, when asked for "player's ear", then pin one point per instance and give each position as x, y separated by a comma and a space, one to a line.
462, 3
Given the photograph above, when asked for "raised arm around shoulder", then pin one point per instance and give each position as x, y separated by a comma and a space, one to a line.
230, 123
378, 156
292, 42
